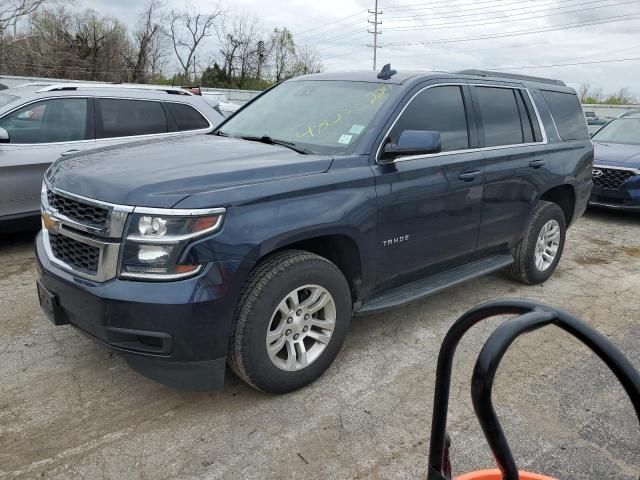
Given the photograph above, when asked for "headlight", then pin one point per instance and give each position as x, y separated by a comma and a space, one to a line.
156, 238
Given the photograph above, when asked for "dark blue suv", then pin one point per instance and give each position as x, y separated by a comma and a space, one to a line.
616, 170
328, 196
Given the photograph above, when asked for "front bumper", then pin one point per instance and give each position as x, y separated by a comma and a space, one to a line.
627, 197
176, 333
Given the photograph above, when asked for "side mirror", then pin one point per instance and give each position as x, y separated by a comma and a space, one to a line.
4, 136
414, 142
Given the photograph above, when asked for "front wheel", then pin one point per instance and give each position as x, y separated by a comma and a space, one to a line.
291, 321
538, 253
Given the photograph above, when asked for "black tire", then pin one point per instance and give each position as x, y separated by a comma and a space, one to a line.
269, 283
524, 268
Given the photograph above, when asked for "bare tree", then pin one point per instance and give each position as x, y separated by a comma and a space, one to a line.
95, 34
187, 29
12, 11
283, 51
240, 48
307, 61
146, 49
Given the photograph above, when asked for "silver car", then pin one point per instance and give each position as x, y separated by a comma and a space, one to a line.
39, 123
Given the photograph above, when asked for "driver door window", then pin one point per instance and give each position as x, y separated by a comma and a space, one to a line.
439, 109
49, 121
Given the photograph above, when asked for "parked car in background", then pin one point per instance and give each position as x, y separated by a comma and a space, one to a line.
616, 169
220, 102
39, 123
595, 124
329, 195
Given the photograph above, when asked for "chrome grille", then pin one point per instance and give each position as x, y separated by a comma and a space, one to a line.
77, 254
82, 235
610, 178
91, 215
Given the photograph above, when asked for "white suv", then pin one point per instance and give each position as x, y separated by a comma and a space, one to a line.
39, 123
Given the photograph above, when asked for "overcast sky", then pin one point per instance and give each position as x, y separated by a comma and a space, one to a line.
425, 35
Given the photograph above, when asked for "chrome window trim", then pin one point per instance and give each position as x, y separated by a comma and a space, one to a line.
626, 169
544, 140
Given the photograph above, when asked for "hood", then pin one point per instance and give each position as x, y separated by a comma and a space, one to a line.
160, 173
617, 154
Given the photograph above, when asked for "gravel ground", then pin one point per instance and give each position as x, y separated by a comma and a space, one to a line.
71, 410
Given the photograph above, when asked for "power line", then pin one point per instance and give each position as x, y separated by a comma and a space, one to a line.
444, 4
526, 67
335, 28
566, 26
331, 24
510, 17
407, 18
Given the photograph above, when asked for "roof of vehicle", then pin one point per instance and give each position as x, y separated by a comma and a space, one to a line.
405, 77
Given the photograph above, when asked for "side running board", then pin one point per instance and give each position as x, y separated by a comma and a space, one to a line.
434, 283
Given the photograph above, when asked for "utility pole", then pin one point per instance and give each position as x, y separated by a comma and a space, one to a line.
375, 31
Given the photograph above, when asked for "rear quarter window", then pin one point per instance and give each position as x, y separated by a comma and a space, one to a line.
567, 114
187, 117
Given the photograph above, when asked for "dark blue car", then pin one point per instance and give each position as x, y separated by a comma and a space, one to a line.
616, 170
255, 245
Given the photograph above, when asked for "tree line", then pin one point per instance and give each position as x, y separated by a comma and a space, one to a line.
184, 46
590, 96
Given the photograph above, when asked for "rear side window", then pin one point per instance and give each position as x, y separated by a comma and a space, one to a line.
187, 117
567, 114
125, 118
500, 116
439, 109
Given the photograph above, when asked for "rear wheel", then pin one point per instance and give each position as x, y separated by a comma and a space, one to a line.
291, 321
538, 253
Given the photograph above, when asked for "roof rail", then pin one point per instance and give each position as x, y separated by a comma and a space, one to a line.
514, 76
129, 86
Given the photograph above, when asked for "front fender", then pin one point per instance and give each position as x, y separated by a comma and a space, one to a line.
341, 201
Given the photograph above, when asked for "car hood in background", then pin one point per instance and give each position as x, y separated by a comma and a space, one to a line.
617, 154
160, 173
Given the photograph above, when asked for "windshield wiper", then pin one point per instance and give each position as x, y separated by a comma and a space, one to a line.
274, 141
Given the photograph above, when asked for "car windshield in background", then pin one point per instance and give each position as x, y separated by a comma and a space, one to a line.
323, 117
6, 99
621, 130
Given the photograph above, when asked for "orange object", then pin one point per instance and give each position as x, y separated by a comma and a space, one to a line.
496, 474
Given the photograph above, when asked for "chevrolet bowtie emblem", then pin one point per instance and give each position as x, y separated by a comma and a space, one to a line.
49, 223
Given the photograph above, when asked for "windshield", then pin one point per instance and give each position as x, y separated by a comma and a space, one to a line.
325, 117
6, 99
620, 130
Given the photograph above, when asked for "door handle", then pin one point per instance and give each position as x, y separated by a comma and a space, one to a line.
537, 163
69, 152
469, 176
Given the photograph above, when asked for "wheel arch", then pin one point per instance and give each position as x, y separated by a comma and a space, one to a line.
339, 247
565, 197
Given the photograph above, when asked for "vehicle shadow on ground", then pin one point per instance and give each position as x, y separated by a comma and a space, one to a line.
619, 217
17, 239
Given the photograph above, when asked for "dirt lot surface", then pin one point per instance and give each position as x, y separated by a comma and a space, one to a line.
71, 410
